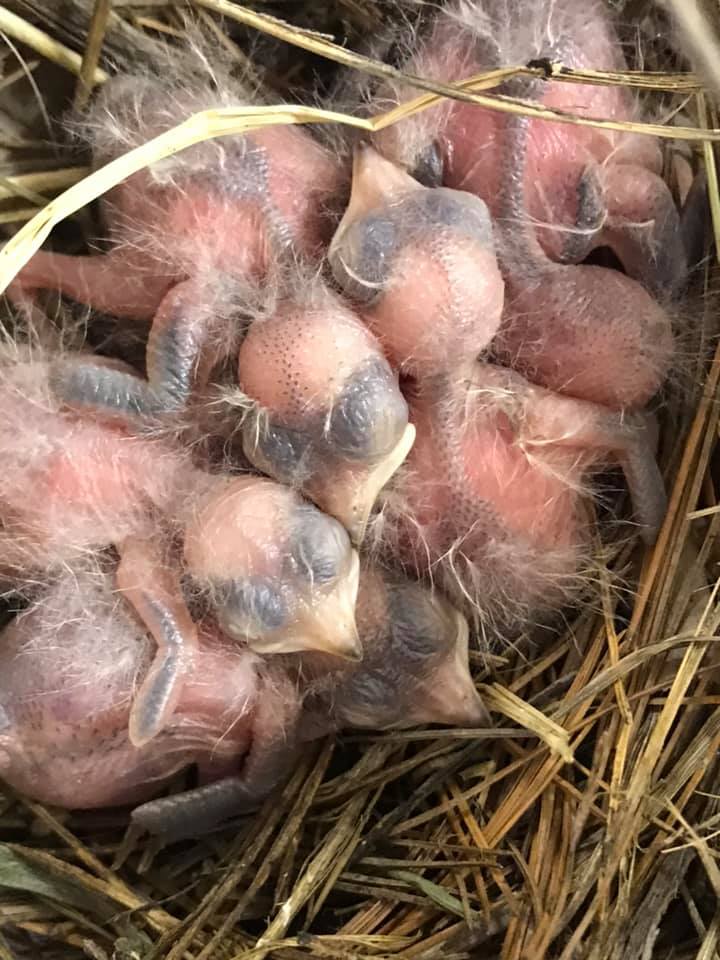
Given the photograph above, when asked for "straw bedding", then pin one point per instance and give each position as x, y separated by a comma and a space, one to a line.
585, 823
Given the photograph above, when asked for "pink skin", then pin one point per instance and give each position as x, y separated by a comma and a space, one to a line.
196, 235
329, 417
282, 575
414, 671
586, 331
568, 175
557, 328
490, 503
73, 484
70, 666
255, 201
420, 263
232, 205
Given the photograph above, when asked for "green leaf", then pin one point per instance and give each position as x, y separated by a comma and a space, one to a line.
439, 895
21, 874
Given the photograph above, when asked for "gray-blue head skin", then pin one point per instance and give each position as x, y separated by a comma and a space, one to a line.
420, 263
281, 574
328, 416
414, 672
414, 669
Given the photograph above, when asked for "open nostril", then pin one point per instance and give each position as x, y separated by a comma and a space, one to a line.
251, 606
320, 545
370, 414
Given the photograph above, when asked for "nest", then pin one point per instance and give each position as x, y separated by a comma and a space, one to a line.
584, 827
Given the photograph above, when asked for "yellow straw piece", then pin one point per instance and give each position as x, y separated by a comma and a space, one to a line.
19, 29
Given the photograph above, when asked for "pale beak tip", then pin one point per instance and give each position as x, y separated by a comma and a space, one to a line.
363, 158
348, 648
356, 516
457, 705
354, 654
477, 713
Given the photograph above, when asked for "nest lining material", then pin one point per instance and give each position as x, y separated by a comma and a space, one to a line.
584, 827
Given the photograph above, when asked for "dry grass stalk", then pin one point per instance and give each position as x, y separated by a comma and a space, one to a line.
429, 845
19, 29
